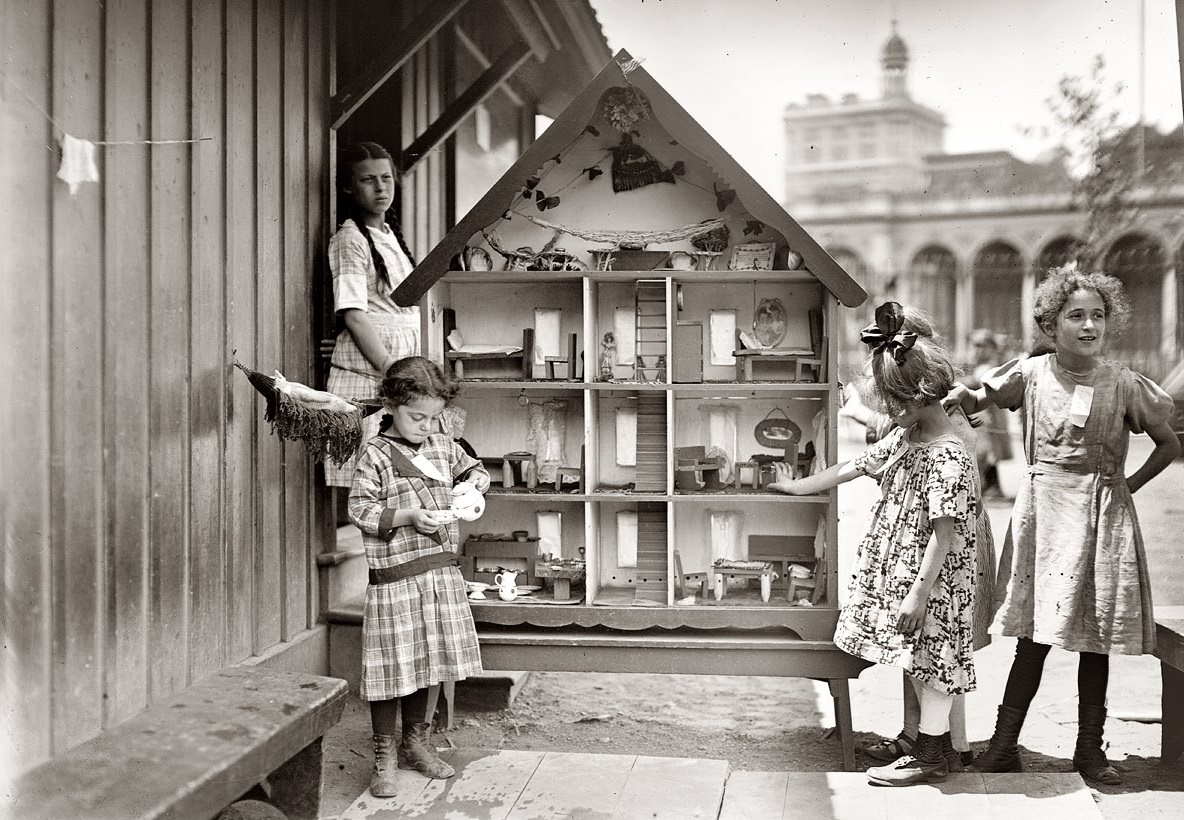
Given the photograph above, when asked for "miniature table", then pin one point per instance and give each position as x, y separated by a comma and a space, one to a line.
802, 359
720, 582
562, 572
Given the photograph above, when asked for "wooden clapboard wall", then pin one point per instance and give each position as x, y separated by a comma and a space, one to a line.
154, 530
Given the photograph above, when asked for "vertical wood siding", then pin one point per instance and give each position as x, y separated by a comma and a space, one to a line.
154, 529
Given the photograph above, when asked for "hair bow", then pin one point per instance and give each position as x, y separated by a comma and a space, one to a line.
886, 334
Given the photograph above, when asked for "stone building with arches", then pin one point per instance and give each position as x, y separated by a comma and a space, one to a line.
967, 237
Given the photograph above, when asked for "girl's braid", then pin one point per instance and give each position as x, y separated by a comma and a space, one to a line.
398, 231
379, 264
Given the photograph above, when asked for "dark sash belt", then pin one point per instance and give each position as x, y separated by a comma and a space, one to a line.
416, 566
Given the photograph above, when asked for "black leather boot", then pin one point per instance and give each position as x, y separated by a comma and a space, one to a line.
382, 782
953, 756
417, 752
1003, 755
1088, 757
927, 764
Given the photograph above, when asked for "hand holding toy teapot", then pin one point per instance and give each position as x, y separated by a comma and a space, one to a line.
467, 504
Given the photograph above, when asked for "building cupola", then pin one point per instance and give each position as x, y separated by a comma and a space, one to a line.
894, 58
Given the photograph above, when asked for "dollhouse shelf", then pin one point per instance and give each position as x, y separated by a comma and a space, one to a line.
577, 276
718, 389
809, 623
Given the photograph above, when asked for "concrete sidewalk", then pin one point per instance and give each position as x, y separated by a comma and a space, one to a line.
513, 784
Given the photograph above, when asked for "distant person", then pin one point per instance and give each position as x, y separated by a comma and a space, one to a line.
911, 601
1073, 572
417, 629
877, 425
994, 440
368, 259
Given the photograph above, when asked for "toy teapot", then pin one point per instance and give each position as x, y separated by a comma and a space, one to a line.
467, 504
507, 584
467, 501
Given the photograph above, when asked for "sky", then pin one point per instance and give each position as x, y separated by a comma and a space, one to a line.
989, 66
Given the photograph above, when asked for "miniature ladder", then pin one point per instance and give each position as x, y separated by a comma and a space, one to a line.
651, 552
649, 362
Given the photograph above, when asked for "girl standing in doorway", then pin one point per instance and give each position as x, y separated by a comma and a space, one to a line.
368, 259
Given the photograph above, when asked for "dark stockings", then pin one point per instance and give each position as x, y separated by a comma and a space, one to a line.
1093, 675
384, 714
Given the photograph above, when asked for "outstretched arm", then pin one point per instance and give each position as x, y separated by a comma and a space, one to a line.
970, 400
1167, 447
832, 476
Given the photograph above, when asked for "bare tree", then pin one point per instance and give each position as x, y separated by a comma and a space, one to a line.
1102, 157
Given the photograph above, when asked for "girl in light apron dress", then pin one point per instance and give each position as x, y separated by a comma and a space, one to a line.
1073, 572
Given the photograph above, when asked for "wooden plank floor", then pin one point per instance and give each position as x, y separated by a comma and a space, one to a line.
512, 785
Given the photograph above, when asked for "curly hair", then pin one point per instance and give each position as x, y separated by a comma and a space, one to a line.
1061, 283
926, 376
415, 377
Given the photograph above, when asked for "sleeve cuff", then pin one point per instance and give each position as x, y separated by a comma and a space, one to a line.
386, 523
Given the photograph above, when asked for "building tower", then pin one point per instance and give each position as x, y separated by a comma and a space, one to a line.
852, 149
895, 60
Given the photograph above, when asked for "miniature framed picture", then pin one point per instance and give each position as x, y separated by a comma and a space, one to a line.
753, 256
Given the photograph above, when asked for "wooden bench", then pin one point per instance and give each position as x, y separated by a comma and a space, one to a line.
678, 651
196, 752
1169, 638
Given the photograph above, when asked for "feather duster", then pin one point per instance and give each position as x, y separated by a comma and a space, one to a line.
329, 426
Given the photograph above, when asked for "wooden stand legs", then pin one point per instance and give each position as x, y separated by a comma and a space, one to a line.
841, 692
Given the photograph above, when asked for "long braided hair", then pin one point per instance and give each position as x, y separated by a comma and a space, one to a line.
351, 156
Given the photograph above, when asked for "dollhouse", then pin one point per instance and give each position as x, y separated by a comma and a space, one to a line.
655, 333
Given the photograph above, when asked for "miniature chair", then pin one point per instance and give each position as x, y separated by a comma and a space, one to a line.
569, 360
694, 470
684, 581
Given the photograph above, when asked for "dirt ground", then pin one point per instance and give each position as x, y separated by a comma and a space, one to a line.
784, 724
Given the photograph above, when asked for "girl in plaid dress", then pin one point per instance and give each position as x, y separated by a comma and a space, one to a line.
911, 601
368, 259
417, 630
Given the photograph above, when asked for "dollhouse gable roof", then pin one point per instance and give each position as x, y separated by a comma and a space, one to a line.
570, 125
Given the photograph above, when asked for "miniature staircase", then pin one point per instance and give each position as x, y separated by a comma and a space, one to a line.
650, 475
651, 552
649, 362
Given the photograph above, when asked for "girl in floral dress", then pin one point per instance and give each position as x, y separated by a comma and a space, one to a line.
911, 601
1073, 572
878, 425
